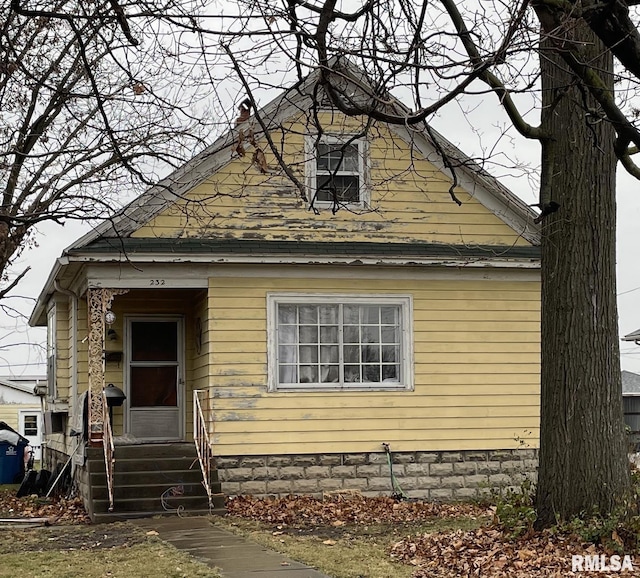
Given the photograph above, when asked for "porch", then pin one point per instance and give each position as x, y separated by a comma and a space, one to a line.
148, 453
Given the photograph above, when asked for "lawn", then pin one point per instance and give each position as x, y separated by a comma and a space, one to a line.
73, 548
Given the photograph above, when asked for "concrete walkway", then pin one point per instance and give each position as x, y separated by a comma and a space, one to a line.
234, 556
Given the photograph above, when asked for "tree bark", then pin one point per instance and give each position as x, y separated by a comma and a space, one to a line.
583, 462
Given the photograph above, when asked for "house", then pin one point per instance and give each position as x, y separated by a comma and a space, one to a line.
631, 403
21, 408
302, 320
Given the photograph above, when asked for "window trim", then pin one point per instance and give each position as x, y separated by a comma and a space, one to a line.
405, 302
311, 164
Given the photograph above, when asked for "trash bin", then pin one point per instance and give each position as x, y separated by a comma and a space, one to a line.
12, 446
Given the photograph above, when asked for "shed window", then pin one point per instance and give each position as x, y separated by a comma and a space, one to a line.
339, 342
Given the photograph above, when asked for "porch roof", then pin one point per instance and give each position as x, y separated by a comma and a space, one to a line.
193, 246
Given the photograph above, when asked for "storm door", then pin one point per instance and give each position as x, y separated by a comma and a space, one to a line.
155, 396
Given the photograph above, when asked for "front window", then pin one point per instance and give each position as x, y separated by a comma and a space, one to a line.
337, 170
336, 342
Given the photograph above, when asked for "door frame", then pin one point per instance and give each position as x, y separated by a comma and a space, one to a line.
181, 373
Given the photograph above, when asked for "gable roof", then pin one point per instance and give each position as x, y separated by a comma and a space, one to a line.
633, 336
491, 193
25, 384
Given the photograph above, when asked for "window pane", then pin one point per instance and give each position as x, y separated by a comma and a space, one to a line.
390, 373
370, 334
308, 374
371, 373
389, 315
308, 354
390, 353
370, 315
288, 374
287, 313
308, 334
329, 354
351, 334
329, 334
370, 353
351, 354
308, 314
340, 188
389, 335
153, 386
351, 314
352, 373
287, 333
288, 354
329, 373
337, 157
154, 341
328, 315
30, 425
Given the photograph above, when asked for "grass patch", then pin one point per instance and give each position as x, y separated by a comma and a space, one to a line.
151, 559
347, 551
116, 550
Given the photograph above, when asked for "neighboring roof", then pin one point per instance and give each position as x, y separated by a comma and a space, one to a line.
633, 336
630, 383
512, 210
132, 246
22, 383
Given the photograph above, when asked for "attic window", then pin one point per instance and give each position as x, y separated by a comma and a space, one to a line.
337, 172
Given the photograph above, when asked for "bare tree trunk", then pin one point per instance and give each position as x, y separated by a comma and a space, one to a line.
583, 463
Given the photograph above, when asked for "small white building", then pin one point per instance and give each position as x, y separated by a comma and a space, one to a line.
21, 408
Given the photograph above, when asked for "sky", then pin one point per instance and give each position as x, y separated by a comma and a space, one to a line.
21, 351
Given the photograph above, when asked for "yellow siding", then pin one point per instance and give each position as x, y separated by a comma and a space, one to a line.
63, 349
476, 352
9, 413
410, 201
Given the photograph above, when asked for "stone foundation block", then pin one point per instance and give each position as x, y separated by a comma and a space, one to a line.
440, 469
450, 457
279, 487
441, 494
465, 468
317, 472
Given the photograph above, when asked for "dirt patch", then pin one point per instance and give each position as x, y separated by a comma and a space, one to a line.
71, 537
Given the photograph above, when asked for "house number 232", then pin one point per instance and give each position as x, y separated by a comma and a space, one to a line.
156, 282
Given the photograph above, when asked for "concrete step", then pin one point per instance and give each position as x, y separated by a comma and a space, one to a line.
140, 478
150, 480
108, 517
158, 503
159, 450
164, 464
100, 492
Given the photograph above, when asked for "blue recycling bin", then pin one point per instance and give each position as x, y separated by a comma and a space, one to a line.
12, 446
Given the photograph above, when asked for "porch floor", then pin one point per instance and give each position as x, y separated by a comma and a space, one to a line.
234, 556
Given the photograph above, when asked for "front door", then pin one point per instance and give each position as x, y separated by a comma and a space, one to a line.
155, 378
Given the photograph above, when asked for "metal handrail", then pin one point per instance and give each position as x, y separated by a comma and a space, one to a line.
203, 444
109, 448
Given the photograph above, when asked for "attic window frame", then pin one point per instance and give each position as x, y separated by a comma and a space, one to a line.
311, 164
404, 302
